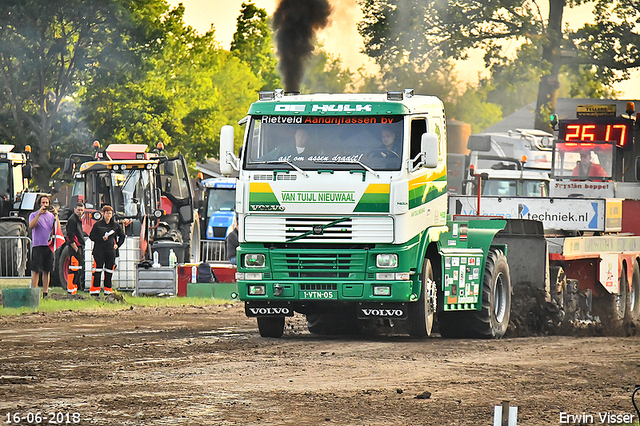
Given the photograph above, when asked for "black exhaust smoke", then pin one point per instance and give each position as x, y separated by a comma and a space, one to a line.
295, 23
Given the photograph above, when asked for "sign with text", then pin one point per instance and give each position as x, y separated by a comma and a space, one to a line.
555, 213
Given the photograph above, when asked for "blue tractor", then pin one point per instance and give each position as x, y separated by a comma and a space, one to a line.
218, 217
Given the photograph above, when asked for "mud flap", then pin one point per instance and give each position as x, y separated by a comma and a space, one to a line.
268, 309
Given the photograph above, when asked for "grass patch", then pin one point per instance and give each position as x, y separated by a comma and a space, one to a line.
58, 302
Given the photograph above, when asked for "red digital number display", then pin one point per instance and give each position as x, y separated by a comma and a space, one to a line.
618, 130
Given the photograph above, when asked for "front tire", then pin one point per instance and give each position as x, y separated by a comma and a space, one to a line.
421, 313
271, 326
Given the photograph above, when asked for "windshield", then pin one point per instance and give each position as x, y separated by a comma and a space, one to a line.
583, 161
4, 179
324, 142
220, 199
131, 189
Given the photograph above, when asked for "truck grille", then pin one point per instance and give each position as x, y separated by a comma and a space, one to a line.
357, 229
289, 264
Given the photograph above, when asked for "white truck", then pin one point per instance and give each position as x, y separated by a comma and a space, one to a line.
342, 208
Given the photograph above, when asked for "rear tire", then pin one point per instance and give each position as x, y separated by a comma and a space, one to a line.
15, 251
492, 320
421, 313
271, 326
634, 295
612, 308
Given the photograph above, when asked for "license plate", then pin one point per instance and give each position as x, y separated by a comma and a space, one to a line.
319, 294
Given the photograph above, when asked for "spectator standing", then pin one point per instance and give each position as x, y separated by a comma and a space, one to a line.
41, 224
232, 244
107, 236
75, 240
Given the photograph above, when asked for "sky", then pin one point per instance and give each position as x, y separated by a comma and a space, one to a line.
341, 37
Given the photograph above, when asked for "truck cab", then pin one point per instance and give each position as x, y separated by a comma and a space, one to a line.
342, 207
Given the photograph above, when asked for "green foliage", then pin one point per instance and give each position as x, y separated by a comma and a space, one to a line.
323, 73
47, 51
428, 33
473, 109
186, 89
253, 43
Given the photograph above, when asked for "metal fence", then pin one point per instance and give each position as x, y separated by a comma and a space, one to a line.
124, 277
14, 253
213, 251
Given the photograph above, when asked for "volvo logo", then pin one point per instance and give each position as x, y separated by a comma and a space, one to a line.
393, 313
270, 311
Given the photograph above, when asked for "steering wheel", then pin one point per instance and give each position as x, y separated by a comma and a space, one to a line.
383, 153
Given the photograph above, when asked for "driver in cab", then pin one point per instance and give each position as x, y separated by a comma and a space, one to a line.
585, 168
390, 150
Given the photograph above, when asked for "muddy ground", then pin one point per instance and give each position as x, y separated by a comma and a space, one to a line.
209, 366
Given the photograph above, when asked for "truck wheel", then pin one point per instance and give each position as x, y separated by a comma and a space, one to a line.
492, 320
14, 250
634, 295
271, 326
612, 308
420, 320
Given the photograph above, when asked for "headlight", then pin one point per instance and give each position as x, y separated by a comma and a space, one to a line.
254, 260
209, 231
257, 290
381, 290
387, 260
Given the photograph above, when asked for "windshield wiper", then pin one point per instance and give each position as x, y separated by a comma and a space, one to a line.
298, 169
354, 161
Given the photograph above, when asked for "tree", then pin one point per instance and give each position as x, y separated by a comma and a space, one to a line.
431, 31
323, 73
184, 90
47, 51
253, 43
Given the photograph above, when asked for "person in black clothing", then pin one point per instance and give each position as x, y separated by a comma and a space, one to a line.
232, 244
75, 240
107, 236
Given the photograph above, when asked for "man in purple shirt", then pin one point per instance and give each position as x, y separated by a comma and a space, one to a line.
41, 224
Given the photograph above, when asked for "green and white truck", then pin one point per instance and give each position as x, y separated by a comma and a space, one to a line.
348, 230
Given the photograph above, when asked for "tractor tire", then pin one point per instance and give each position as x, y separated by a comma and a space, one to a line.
271, 326
634, 294
421, 314
492, 320
15, 251
62, 268
612, 308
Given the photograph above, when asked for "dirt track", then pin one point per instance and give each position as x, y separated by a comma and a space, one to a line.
209, 366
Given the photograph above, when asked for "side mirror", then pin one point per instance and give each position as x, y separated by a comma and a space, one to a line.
186, 214
479, 143
429, 149
169, 168
26, 171
226, 150
68, 166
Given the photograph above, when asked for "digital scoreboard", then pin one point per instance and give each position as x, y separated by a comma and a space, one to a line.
610, 129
